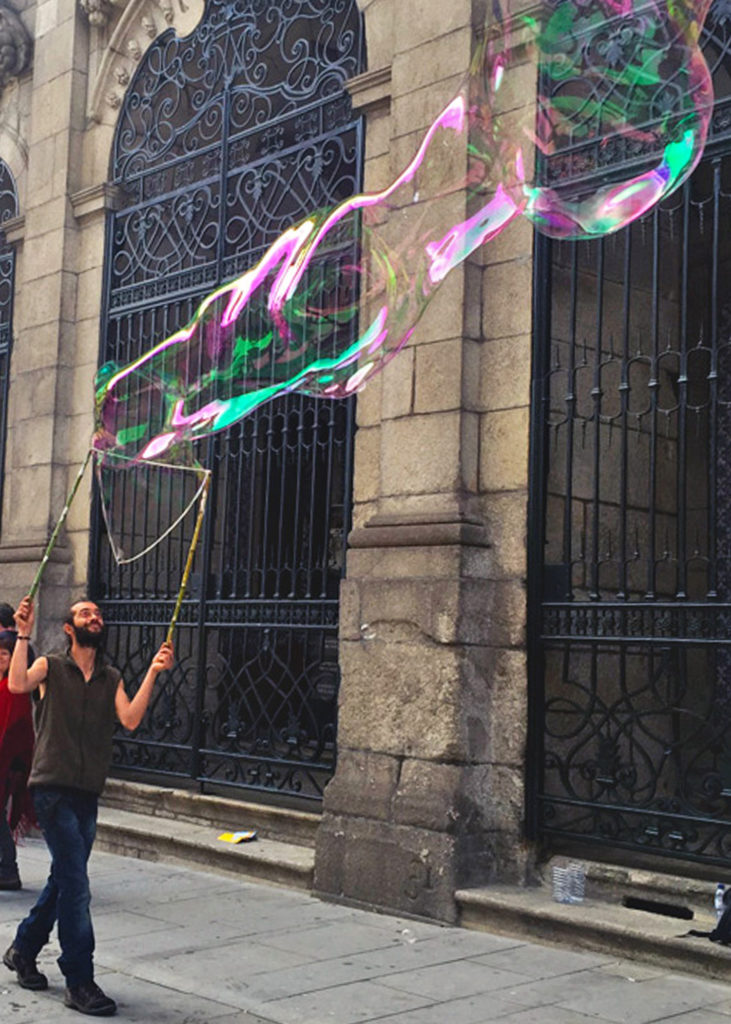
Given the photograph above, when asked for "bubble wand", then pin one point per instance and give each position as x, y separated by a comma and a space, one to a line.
191, 555
58, 527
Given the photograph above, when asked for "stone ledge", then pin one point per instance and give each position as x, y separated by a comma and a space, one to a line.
135, 835
277, 823
33, 553
387, 531
14, 229
531, 913
371, 90
95, 200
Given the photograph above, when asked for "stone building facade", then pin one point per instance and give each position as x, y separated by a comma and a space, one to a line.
431, 728
429, 794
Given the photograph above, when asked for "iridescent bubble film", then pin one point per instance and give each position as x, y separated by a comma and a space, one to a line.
624, 101
624, 105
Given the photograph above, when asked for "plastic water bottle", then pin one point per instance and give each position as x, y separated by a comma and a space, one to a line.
561, 883
577, 882
718, 900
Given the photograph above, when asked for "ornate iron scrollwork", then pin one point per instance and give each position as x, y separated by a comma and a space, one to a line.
224, 139
631, 581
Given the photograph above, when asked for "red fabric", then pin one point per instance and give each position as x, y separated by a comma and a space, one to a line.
16, 753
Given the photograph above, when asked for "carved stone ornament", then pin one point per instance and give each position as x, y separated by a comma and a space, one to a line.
97, 11
15, 45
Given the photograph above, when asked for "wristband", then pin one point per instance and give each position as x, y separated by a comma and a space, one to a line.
22, 638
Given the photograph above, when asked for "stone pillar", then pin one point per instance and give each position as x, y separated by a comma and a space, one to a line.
44, 444
428, 796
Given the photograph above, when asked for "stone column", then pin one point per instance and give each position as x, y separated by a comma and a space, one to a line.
44, 445
428, 794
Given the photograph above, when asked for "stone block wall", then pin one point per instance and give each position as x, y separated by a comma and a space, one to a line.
428, 795
56, 132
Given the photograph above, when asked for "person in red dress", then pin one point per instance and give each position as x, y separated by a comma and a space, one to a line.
16, 753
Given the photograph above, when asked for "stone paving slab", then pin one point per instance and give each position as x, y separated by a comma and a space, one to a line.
183, 946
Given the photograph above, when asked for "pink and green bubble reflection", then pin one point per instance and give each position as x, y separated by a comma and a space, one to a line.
337, 296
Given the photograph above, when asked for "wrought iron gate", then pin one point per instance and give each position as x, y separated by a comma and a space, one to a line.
225, 139
8, 210
630, 584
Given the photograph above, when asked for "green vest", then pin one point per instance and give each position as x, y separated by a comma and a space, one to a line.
75, 724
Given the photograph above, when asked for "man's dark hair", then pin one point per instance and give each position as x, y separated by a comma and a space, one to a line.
79, 632
7, 616
69, 620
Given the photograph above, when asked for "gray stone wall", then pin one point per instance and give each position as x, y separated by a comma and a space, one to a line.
428, 795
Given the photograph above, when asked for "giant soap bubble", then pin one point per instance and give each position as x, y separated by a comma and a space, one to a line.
623, 105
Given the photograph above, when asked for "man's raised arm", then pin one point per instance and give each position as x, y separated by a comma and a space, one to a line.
21, 678
131, 712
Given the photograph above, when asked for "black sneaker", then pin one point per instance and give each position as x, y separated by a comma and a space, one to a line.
11, 884
28, 974
91, 1000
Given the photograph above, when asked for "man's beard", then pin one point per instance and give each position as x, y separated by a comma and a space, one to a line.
86, 638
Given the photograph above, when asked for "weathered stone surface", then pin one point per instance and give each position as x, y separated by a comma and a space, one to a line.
506, 521
401, 698
508, 288
53, 58
367, 475
37, 314
397, 386
461, 800
438, 380
493, 613
364, 785
51, 108
380, 32
505, 373
421, 453
89, 293
428, 795
404, 562
445, 57
419, 23
25, 510
504, 450
407, 869
495, 705
33, 393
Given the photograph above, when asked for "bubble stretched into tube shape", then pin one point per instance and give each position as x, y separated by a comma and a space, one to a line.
623, 90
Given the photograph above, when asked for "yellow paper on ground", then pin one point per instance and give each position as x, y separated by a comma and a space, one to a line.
238, 837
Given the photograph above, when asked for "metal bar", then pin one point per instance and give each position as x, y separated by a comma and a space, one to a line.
538, 456
570, 403
681, 591
653, 385
594, 591
713, 384
624, 387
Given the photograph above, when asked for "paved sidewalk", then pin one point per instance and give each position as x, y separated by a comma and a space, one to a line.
174, 944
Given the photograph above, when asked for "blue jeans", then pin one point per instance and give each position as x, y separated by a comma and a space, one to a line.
68, 820
8, 862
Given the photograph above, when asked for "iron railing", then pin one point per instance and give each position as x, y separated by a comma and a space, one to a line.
630, 558
224, 140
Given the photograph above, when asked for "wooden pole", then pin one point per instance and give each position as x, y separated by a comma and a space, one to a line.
189, 560
58, 527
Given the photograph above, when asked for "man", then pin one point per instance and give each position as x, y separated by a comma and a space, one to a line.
80, 694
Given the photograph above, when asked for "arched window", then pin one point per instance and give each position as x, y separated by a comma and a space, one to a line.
8, 210
225, 139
